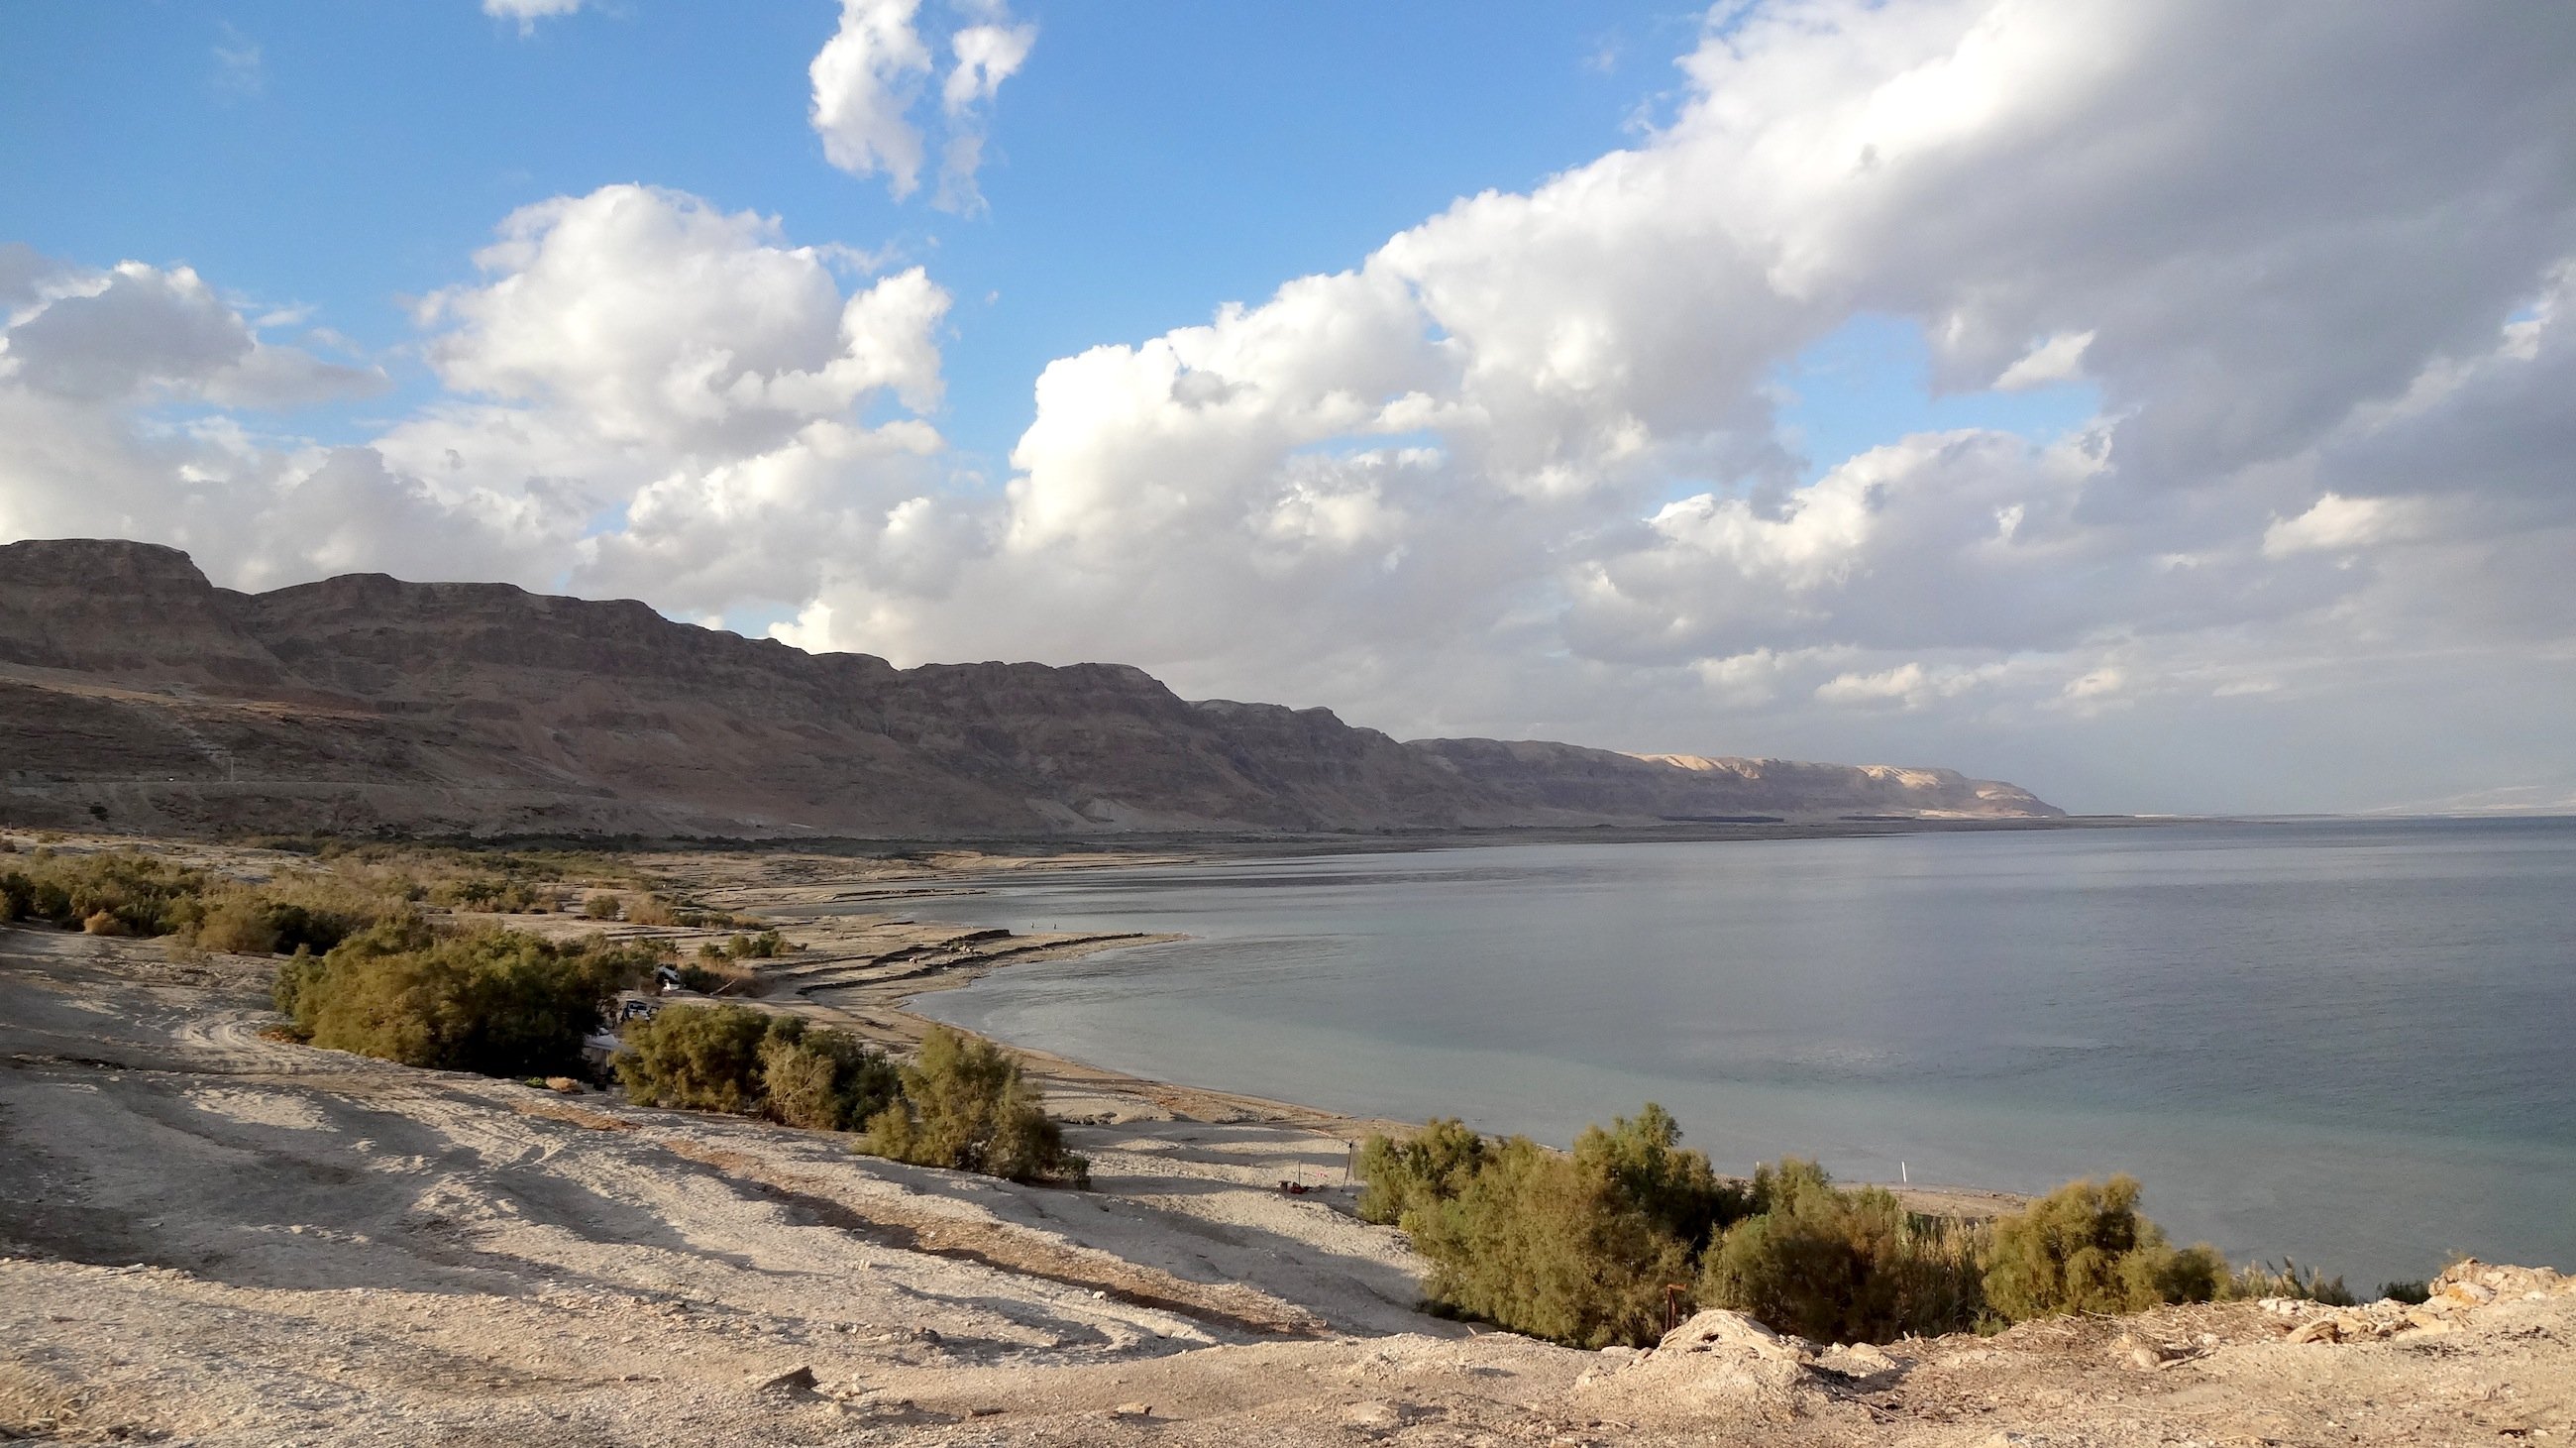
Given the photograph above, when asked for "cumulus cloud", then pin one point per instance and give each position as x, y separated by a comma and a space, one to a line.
644, 395
1517, 470
870, 77
675, 394
1480, 444
139, 333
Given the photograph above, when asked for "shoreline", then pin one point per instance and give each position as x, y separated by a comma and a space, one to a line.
872, 996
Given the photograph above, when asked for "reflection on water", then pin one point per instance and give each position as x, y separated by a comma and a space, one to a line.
2344, 1040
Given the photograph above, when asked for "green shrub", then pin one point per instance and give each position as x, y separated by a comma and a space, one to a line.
496, 1002
295, 980
1433, 1165
1542, 1244
965, 1106
698, 1057
1582, 1248
755, 1063
825, 1080
125, 893
266, 921
2085, 1248
602, 906
1842, 1266
1643, 1159
2412, 1291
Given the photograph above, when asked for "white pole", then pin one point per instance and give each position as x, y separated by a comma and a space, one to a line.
1903, 1176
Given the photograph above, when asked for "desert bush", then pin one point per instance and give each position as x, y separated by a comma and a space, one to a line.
603, 906
249, 921
825, 1080
492, 893
714, 977
1644, 1160
754, 1063
2086, 1248
1542, 1244
1431, 1166
651, 910
1842, 1266
699, 1057
767, 945
496, 1002
287, 991
128, 893
2415, 1290
965, 1106
124, 893
1581, 1247
2258, 1279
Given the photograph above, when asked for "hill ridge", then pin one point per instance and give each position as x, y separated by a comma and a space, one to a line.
136, 692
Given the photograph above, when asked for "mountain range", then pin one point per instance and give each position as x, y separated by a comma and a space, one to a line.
137, 695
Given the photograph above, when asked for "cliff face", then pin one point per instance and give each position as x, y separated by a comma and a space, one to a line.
1535, 775
131, 685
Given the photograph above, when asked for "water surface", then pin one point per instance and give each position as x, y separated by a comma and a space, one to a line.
2347, 1041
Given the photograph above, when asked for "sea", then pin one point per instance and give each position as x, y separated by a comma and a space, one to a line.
2350, 1043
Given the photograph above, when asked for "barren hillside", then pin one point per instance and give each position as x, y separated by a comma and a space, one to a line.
135, 693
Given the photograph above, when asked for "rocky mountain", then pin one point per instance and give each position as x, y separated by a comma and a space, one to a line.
135, 692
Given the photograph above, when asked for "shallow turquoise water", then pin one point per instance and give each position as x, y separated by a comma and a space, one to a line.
2346, 1041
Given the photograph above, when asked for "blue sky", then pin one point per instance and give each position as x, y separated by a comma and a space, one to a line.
1526, 370
1153, 161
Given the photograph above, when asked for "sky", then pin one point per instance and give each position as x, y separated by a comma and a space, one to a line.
2166, 405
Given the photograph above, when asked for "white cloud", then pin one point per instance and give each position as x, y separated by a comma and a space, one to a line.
139, 333
240, 69
2337, 524
1516, 471
528, 12
1912, 686
2055, 359
865, 78
870, 76
643, 392
987, 55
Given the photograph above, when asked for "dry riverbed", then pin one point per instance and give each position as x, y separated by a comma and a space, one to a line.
208, 1236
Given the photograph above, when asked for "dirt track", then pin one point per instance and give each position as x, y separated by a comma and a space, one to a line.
212, 1237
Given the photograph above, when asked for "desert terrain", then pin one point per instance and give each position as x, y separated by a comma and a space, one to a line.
211, 1236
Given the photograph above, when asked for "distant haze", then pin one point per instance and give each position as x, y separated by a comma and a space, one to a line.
2162, 404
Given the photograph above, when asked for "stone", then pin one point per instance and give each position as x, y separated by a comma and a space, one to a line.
1133, 1410
798, 1379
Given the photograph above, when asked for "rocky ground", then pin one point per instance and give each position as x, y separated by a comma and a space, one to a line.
207, 1236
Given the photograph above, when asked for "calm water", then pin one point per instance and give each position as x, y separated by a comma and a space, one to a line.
2345, 1041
